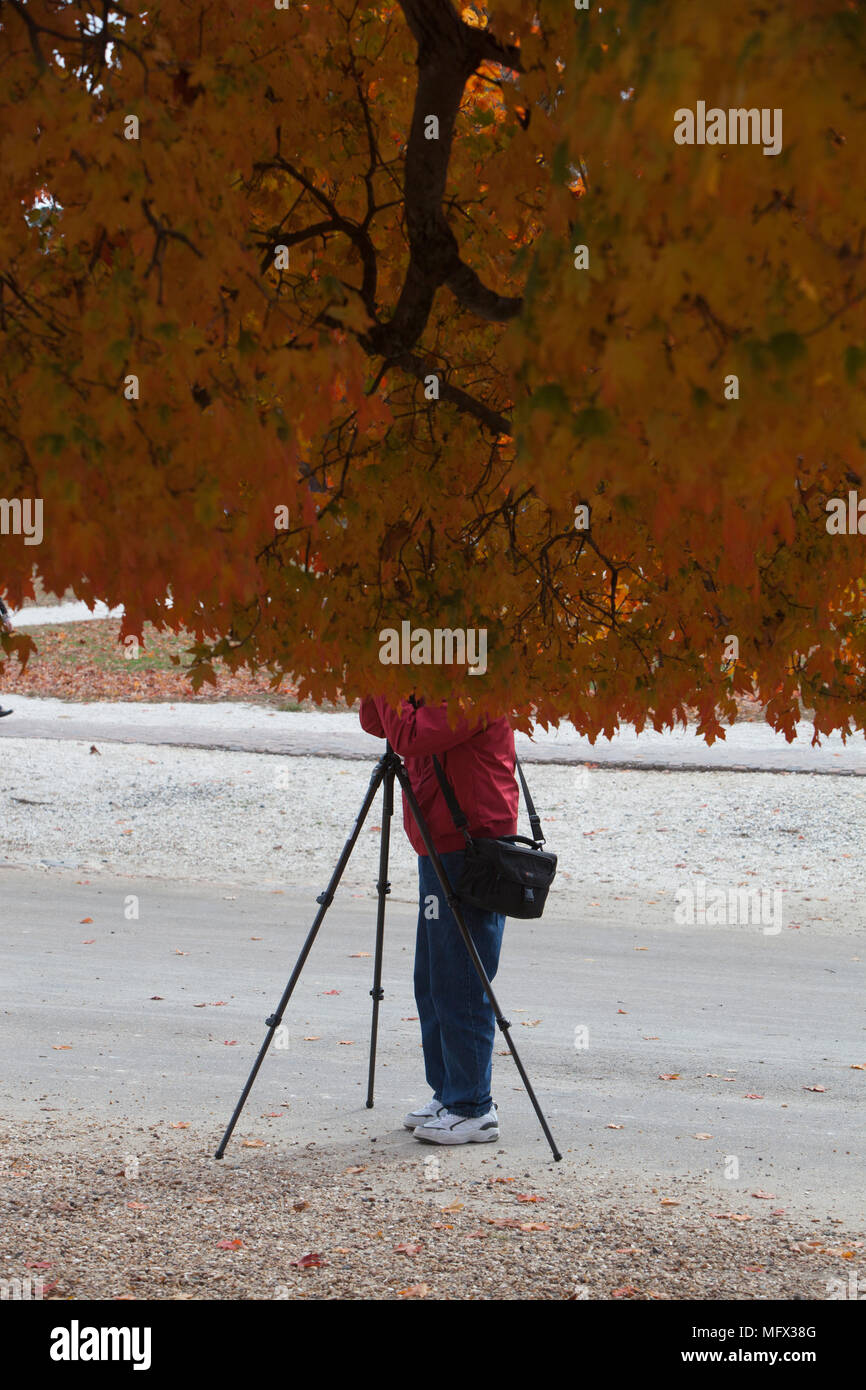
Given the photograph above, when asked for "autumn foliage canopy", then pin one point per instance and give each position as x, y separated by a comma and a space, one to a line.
280, 345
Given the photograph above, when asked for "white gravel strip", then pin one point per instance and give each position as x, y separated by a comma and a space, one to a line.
227, 723
627, 840
43, 616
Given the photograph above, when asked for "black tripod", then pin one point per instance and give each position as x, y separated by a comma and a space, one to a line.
387, 768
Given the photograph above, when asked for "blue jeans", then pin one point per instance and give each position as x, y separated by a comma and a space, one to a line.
457, 1022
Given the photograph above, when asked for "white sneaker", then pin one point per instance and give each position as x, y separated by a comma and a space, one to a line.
422, 1115
448, 1128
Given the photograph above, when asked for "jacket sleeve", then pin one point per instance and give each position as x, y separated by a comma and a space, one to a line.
414, 733
369, 717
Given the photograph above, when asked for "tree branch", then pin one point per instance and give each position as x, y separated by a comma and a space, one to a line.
449, 51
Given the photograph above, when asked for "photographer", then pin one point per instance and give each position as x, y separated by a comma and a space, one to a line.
457, 1021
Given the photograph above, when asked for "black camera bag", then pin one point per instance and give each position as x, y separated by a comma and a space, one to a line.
511, 875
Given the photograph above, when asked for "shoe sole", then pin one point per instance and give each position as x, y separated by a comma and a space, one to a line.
485, 1136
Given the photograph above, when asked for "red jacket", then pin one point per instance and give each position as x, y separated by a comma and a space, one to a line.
477, 759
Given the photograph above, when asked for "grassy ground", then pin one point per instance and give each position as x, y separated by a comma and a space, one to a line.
85, 661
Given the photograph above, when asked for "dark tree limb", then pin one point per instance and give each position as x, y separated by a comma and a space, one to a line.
449, 52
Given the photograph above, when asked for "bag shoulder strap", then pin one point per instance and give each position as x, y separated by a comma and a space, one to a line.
458, 816
530, 805
457, 813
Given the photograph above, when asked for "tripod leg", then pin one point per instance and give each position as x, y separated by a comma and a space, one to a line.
384, 889
324, 899
454, 905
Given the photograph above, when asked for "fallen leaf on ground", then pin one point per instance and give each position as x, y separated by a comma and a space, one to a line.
300, 1206
356, 955
331, 991
312, 1037
414, 1291
453, 1206
814, 1088
359, 1168
669, 1076
625, 1292
84, 920
408, 1249
230, 1042
752, 1096
311, 1261
61, 1047
613, 1126
702, 1136
254, 1144
765, 1196
670, 1201
535, 1225
528, 1197
730, 1216
179, 1124
229, 1244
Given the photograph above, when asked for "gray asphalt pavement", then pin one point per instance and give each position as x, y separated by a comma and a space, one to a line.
159, 1019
